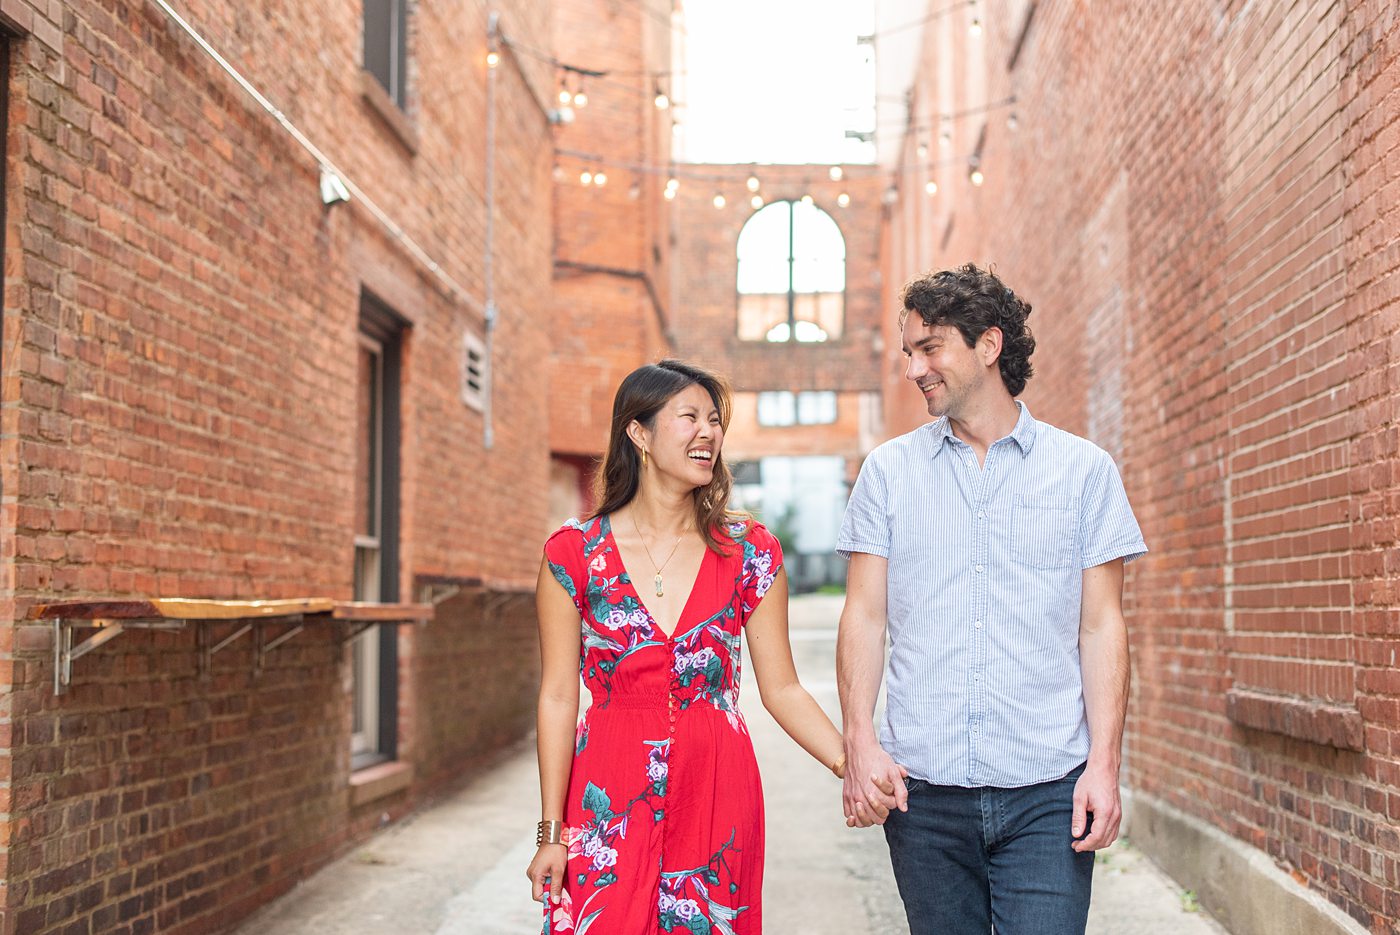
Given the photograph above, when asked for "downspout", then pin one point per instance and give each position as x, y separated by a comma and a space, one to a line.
488, 438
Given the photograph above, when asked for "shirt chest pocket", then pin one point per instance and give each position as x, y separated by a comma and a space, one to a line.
1044, 530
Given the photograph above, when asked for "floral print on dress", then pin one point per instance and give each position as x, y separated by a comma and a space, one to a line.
683, 852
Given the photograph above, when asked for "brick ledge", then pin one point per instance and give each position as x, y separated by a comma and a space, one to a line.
378, 100
1331, 725
378, 781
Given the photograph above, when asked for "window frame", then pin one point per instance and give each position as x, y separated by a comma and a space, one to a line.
792, 294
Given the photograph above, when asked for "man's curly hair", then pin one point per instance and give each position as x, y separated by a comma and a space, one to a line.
973, 300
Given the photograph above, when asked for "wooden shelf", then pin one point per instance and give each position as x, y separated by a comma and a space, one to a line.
109, 619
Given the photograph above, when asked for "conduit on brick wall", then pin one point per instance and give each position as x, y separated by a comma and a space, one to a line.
487, 308
453, 288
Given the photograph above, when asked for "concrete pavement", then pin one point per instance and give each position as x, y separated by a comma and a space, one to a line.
458, 868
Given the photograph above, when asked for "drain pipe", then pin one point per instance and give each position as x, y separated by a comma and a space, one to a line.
488, 439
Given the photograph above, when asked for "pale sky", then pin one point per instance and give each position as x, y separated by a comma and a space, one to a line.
775, 81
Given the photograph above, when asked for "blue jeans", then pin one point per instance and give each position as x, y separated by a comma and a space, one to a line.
970, 860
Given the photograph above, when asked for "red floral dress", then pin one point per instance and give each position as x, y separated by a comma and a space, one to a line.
664, 815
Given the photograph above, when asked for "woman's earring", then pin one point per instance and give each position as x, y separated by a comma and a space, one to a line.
644, 457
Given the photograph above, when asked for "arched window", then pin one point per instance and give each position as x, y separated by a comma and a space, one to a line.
792, 274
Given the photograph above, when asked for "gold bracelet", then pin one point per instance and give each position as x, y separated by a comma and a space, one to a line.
549, 832
839, 767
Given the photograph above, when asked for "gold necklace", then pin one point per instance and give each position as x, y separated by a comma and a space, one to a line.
656, 580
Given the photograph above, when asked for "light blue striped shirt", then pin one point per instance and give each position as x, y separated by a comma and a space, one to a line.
985, 573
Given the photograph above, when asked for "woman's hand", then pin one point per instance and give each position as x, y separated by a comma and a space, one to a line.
546, 871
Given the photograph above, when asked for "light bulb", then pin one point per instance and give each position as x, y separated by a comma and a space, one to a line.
806, 199
672, 184
558, 173
600, 177
580, 99
931, 188
890, 196
719, 200
669, 194
634, 192
1011, 122
843, 199
585, 177
662, 101
945, 138
493, 59
756, 202
564, 96
922, 150
975, 29
977, 177
752, 183
835, 173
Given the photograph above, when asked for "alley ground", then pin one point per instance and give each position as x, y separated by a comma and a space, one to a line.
458, 868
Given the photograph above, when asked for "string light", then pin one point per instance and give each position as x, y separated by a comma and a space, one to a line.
669, 194
931, 188
1011, 122
493, 59
719, 200
672, 184
600, 178
976, 177
807, 199
756, 202
634, 192
975, 29
835, 173
752, 183
922, 150
661, 101
558, 173
580, 97
843, 199
565, 97
585, 177
945, 139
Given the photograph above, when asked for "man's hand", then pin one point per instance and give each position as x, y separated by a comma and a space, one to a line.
1096, 793
872, 787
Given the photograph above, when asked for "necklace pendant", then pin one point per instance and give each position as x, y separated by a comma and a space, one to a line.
657, 582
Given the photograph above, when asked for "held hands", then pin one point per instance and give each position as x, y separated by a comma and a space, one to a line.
1096, 794
872, 787
546, 872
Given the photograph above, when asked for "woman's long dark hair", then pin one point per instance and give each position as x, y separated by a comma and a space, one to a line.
640, 396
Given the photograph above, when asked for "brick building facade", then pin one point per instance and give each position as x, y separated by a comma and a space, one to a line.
1200, 202
217, 385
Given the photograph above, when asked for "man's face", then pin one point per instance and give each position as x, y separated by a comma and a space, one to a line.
945, 369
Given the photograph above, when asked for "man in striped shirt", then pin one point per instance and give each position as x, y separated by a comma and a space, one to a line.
991, 546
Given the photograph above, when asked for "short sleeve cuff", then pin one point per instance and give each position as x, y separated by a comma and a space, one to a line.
1127, 552
845, 547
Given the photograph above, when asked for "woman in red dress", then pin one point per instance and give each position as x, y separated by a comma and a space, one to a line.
653, 813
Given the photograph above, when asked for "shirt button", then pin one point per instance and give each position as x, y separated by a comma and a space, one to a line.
977, 624
981, 515
979, 569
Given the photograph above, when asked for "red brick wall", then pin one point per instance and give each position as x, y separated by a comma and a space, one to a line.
177, 419
707, 266
613, 308
1197, 202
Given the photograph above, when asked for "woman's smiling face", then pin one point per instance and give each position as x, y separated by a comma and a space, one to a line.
686, 435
